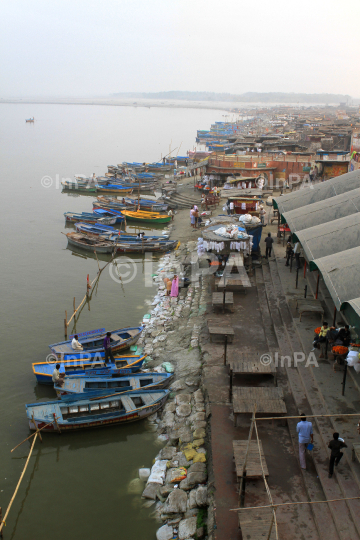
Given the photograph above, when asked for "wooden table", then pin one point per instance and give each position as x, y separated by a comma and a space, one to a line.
221, 331
309, 305
255, 524
250, 366
218, 300
253, 466
268, 401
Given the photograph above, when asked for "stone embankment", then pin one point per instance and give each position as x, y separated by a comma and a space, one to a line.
177, 484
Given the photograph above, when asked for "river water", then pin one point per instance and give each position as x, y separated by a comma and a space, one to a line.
76, 484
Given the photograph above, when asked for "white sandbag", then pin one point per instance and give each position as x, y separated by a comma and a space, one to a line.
158, 472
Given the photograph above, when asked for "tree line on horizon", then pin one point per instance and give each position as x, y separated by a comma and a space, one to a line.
283, 97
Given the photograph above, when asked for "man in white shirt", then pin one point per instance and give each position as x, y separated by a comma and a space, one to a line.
57, 377
305, 431
75, 344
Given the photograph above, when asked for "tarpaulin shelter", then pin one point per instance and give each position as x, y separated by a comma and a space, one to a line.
330, 238
323, 211
318, 192
341, 274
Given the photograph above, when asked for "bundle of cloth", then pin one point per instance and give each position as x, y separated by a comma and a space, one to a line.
248, 219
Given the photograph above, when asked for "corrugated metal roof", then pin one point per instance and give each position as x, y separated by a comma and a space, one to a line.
341, 272
323, 211
318, 192
329, 238
355, 304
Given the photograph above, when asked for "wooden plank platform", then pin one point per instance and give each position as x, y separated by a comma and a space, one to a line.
250, 368
268, 401
218, 300
221, 331
253, 466
255, 524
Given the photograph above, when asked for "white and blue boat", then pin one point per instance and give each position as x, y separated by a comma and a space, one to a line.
93, 341
79, 387
88, 365
94, 412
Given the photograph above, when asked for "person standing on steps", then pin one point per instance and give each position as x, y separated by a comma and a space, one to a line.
269, 242
305, 431
335, 446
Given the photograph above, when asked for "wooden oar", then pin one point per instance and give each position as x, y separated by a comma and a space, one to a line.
32, 435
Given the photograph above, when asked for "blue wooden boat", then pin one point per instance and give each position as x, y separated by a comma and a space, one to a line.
78, 387
89, 365
92, 341
87, 217
109, 213
95, 412
114, 188
96, 229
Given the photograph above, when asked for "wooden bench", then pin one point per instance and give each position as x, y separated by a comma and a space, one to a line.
253, 466
221, 331
250, 366
218, 300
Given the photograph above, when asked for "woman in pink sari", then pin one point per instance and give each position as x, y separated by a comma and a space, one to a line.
175, 286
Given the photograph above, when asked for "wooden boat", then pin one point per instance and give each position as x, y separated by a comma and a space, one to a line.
109, 213
30, 119
88, 365
76, 387
88, 243
79, 186
92, 341
96, 229
87, 217
95, 412
114, 188
146, 217
142, 247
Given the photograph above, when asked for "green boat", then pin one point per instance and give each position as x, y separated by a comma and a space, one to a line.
78, 186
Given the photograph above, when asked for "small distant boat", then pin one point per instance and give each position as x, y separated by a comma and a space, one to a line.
79, 186
96, 229
30, 119
146, 217
88, 365
95, 412
88, 217
76, 387
146, 246
92, 341
114, 188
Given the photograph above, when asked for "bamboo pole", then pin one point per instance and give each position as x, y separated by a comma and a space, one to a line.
97, 259
307, 416
56, 422
32, 435
36, 428
292, 504
3, 522
247, 451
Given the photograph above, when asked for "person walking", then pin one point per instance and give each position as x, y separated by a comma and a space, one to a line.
297, 248
269, 242
192, 217
305, 432
335, 446
262, 214
107, 348
289, 252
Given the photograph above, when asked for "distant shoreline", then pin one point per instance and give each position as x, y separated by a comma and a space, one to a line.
148, 103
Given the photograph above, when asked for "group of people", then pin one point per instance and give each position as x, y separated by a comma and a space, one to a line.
334, 336
172, 286
306, 437
58, 378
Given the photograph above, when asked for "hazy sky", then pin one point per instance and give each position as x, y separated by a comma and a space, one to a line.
98, 47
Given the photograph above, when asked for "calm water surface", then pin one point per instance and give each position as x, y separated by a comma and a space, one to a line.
76, 484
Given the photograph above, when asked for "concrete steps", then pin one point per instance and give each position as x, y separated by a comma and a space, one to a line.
336, 520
